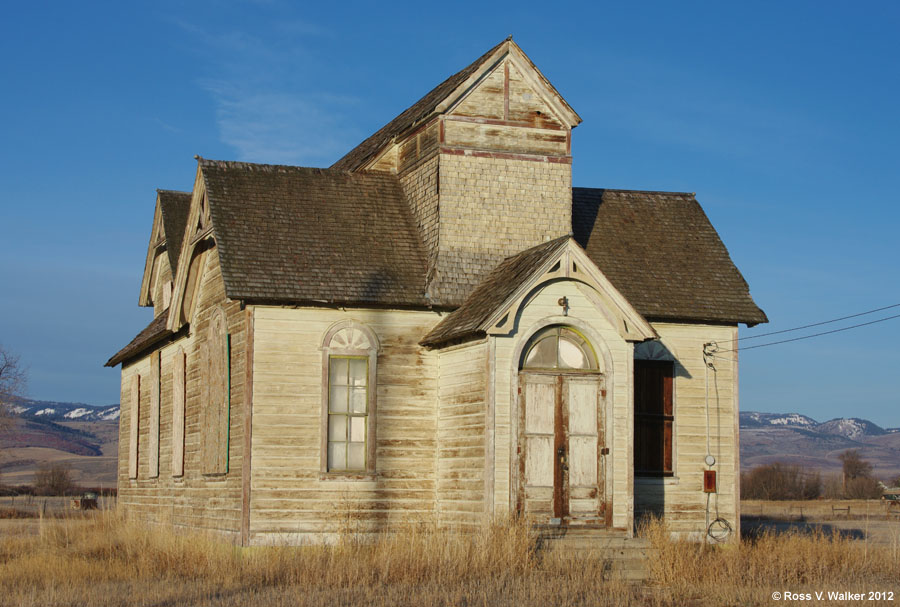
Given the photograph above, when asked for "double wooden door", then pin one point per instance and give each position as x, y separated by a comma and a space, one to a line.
561, 448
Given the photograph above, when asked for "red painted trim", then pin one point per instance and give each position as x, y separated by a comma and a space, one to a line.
441, 130
569, 143
494, 121
506, 91
505, 155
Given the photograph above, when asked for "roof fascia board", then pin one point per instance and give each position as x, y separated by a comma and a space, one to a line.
542, 87
532, 75
152, 252
606, 296
174, 322
473, 80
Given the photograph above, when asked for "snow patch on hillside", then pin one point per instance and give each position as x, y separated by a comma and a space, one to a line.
45, 412
76, 413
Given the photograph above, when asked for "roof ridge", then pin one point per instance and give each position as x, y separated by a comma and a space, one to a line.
165, 191
624, 191
240, 164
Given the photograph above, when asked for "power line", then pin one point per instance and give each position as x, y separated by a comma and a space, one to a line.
817, 324
784, 341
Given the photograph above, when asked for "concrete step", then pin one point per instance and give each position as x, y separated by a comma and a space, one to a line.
624, 557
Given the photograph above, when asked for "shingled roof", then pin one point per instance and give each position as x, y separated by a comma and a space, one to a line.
175, 207
490, 294
152, 333
662, 253
423, 108
295, 234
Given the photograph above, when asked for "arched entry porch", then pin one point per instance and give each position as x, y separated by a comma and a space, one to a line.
561, 443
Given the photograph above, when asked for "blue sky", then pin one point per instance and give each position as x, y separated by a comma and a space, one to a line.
782, 117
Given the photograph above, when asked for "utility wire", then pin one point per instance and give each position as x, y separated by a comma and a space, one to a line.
817, 324
784, 341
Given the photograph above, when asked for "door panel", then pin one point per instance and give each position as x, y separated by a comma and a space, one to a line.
536, 443
539, 461
561, 471
583, 397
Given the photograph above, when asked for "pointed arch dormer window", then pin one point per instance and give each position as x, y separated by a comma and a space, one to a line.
349, 359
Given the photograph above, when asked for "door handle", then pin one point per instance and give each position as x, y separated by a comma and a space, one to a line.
563, 460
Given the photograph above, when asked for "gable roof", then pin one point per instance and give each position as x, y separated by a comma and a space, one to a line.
490, 307
490, 294
295, 234
660, 250
174, 206
150, 335
433, 103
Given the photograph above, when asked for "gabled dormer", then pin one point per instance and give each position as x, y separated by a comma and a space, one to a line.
192, 256
169, 218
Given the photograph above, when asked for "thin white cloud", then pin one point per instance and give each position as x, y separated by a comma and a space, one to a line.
264, 107
281, 127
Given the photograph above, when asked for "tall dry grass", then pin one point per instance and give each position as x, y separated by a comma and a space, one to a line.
111, 561
799, 561
107, 560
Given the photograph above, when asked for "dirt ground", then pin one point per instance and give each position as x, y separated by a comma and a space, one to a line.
863, 520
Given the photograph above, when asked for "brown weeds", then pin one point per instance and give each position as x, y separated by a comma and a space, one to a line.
107, 560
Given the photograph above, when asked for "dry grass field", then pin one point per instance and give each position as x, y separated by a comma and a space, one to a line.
103, 559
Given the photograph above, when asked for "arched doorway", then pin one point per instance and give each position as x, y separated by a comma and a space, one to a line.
561, 445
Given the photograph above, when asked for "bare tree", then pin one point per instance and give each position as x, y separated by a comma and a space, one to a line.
53, 479
12, 383
854, 465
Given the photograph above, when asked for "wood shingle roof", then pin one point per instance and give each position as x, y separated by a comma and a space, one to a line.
175, 207
499, 285
150, 335
295, 234
662, 253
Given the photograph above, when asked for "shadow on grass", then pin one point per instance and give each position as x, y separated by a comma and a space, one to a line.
752, 527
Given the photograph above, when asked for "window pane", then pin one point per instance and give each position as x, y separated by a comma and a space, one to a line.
337, 427
358, 429
543, 354
337, 399
337, 375
358, 400
357, 456
358, 371
337, 456
571, 356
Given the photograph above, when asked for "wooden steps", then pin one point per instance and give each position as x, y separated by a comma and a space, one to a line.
625, 558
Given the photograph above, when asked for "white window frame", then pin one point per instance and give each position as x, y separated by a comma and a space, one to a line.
349, 338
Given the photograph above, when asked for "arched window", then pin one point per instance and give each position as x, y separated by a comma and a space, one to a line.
349, 357
561, 348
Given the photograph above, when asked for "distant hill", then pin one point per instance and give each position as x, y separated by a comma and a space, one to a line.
798, 439
82, 436
46, 410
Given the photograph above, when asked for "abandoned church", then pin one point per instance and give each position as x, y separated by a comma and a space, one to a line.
438, 325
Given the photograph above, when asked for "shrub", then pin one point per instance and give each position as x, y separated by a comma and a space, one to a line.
53, 479
780, 482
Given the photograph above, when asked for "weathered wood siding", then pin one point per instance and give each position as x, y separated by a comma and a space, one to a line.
615, 358
462, 391
291, 500
680, 499
193, 499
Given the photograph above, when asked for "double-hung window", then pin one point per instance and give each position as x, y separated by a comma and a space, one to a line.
348, 411
349, 357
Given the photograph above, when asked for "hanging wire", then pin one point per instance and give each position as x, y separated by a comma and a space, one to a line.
784, 341
719, 529
818, 324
